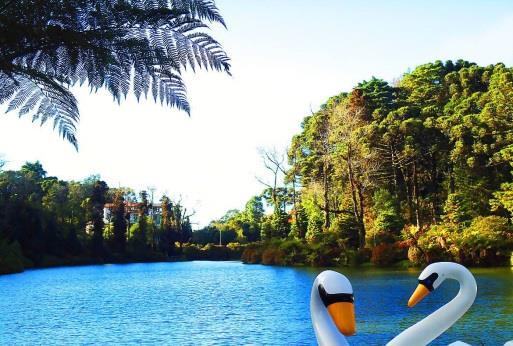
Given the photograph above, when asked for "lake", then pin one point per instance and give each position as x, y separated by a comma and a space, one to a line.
228, 303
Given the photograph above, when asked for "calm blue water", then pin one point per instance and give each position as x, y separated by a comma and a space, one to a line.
226, 303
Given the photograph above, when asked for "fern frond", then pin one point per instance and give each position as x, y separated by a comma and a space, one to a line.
55, 102
121, 45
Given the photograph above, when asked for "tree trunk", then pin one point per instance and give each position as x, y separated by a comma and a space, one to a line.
294, 198
451, 178
361, 235
416, 194
327, 221
434, 189
394, 171
354, 199
408, 195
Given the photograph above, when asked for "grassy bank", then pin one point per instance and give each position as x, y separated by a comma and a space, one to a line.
12, 260
289, 252
331, 252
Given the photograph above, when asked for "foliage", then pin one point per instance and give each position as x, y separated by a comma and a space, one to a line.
438, 243
272, 255
503, 198
299, 224
119, 45
137, 239
167, 232
456, 209
11, 257
119, 224
96, 205
212, 252
386, 254
415, 255
387, 222
428, 159
252, 253
421, 169
487, 241
46, 221
327, 251
205, 236
251, 219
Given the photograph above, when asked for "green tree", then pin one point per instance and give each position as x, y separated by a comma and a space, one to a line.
299, 223
142, 212
388, 222
119, 221
34, 170
21, 213
98, 199
253, 215
349, 135
205, 235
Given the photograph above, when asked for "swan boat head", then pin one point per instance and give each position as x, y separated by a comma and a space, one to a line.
433, 276
332, 294
430, 278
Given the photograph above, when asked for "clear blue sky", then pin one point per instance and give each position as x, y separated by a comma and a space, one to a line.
288, 57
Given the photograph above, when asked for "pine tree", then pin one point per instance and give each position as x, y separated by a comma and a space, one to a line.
119, 222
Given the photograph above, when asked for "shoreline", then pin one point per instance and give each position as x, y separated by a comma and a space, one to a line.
364, 266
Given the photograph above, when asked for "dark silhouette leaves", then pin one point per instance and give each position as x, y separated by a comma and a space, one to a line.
120, 45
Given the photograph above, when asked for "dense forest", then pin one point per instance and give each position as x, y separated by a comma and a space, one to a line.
45, 221
394, 174
412, 172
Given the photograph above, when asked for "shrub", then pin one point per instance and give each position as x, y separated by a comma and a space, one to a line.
314, 227
383, 254
252, 254
347, 227
487, 241
355, 257
438, 243
457, 209
388, 222
294, 251
415, 255
211, 252
11, 257
328, 250
273, 255
320, 256
387, 254
191, 251
236, 249
299, 223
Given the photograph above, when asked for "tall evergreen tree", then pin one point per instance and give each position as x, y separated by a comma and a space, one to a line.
142, 217
166, 228
98, 199
119, 221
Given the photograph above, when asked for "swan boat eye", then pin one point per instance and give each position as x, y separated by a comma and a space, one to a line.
332, 298
424, 287
428, 282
